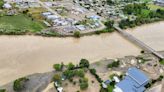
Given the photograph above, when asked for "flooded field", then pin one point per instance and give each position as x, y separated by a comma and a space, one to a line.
23, 55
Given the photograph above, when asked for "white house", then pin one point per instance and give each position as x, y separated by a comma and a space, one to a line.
46, 14
159, 2
7, 6
51, 17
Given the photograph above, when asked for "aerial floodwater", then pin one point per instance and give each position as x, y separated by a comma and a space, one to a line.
152, 35
24, 55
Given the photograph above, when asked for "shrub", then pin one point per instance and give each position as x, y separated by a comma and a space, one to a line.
57, 77
76, 34
20, 83
114, 64
71, 66
74, 83
142, 51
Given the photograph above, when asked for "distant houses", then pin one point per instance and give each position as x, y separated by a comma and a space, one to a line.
159, 2
134, 81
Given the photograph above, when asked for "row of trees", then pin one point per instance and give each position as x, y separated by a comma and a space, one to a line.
84, 63
143, 15
71, 71
153, 81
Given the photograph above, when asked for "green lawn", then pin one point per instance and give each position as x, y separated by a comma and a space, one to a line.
155, 7
20, 22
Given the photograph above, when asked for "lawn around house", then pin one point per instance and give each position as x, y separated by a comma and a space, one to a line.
19, 23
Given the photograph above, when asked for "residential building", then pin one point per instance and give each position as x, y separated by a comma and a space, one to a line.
134, 81
159, 2
7, 6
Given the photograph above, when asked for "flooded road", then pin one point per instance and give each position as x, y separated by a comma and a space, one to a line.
23, 55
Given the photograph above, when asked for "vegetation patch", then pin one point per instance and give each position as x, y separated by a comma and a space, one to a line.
2, 90
18, 24
155, 7
161, 62
19, 84
114, 64
142, 15
1, 4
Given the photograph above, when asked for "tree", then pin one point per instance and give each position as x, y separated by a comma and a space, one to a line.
160, 78
19, 84
80, 73
93, 71
57, 67
110, 2
69, 74
77, 34
71, 66
109, 24
84, 84
84, 63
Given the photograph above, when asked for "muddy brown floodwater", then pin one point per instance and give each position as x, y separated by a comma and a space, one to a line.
23, 55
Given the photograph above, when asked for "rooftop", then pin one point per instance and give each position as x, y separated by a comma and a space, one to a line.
133, 82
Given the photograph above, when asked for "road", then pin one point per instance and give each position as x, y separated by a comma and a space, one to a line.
138, 42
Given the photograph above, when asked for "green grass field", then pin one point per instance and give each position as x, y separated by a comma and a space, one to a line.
21, 22
155, 7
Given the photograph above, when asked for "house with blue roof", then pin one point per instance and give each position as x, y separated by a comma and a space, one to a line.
134, 81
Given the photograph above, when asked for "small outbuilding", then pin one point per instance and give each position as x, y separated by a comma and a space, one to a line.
7, 6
